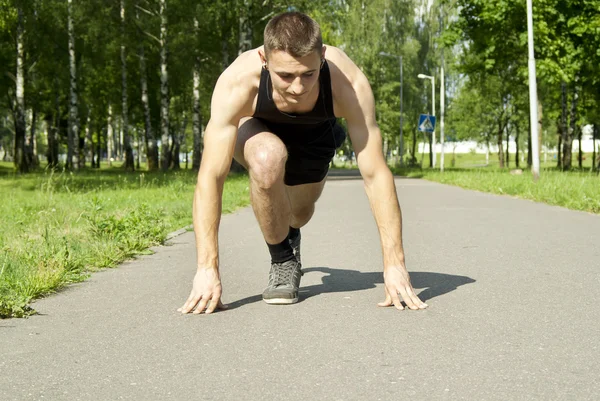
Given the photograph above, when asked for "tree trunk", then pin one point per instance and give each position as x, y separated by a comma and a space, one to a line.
20, 160
507, 147
568, 142
594, 135
34, 153
99, 129
245, 26
176, 149
540, 128
413, 160
196, 116
53, 131
150, 141
110, 136
73, 107
139, 143
500, 146
580, 155
164, 89
517, 135
129, 166
89, 143
559, 146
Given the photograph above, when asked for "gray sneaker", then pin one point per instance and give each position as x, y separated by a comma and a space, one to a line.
296, 247
284, 281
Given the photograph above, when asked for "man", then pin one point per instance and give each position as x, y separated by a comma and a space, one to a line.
274, 110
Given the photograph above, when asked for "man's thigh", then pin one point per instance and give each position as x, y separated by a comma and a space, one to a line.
252, 135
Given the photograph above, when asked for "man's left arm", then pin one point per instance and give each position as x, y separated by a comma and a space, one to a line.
359, 111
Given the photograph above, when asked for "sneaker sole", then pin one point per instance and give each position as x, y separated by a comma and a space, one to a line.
280, 301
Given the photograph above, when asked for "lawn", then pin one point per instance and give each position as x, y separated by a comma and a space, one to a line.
58, 227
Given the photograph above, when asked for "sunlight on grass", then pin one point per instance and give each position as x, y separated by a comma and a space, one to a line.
60, 226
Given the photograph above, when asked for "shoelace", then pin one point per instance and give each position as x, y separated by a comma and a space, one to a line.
283, 273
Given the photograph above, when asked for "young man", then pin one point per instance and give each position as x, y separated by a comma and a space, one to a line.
274, 110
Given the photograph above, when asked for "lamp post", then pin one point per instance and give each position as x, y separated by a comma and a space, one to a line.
401, 150
423, 76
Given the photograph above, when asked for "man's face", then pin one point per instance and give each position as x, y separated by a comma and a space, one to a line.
294, 78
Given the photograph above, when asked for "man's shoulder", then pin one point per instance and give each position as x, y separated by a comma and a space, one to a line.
346, 78
238, 84
243, 75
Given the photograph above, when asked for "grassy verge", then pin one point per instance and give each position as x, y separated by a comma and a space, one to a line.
578, 189
57, 228
574, 190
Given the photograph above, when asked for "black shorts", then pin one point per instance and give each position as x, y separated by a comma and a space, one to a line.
310, 149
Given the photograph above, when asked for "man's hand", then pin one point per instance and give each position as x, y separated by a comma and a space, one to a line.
206, 290
396, 281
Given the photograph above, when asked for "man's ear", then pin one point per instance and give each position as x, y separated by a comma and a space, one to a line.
323, 52
263, 57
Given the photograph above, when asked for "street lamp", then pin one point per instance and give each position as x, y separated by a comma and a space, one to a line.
423, 76
401, 150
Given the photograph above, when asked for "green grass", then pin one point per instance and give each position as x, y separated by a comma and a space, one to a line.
578, 189
57, 228
575, 190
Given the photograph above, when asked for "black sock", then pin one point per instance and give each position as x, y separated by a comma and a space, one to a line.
281, 252
293, 234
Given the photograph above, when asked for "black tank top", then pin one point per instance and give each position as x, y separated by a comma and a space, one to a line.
321, 114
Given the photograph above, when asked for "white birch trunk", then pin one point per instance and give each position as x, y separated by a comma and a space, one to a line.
150, 141
196, 117
89, 145
21, 162
245, 38
73, 110
126, 137
165, 159
120, 141
110, 136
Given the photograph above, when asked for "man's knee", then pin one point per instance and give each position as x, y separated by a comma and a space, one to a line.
266, 162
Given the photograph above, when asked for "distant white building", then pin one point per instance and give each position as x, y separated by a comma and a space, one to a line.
587, 145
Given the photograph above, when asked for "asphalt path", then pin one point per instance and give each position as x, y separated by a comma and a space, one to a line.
512, 287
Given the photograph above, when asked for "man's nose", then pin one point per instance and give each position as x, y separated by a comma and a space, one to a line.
297, 86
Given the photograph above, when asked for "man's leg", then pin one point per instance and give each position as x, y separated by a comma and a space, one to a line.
264, 155
302, 202
275, 205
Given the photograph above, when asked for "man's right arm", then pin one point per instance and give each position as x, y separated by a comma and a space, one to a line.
228, 105
219, 143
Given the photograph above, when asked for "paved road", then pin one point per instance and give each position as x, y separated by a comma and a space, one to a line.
513, 289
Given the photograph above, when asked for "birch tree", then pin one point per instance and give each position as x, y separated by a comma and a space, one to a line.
196, 116
21, 160
164, 88
149, 139
73, 134
126, 136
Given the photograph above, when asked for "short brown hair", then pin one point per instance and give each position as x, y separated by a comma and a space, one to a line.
294, 33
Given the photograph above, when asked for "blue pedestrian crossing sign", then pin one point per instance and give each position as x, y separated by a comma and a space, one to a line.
426, 123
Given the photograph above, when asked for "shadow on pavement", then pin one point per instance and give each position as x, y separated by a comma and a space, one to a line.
340, 280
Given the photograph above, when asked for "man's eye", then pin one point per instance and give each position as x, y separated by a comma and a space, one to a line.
309, 74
